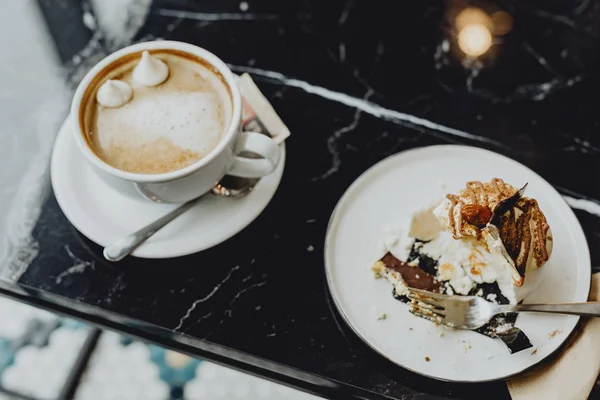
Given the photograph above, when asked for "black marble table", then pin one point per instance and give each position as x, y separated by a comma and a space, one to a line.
355, 81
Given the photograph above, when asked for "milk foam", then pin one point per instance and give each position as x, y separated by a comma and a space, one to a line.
191, 121
165, 127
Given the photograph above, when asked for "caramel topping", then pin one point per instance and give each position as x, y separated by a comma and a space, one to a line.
476, 263
454, 201
476, 214
487, 194
473, 207
445, 271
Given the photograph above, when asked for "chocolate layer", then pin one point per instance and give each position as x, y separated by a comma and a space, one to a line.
413, 277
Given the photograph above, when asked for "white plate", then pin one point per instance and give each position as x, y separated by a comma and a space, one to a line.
385, 195
104, 215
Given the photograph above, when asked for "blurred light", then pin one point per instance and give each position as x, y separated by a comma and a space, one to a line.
503, 22
475, 39
470, 16
474, 29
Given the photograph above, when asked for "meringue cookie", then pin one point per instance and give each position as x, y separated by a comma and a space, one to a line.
150, 71
113, 93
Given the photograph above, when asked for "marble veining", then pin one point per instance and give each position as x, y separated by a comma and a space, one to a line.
188, 313
229, 310
364, 105
590, 206
337, 134
215, 16
78, 267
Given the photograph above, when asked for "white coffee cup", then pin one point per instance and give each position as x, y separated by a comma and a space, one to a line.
198, 178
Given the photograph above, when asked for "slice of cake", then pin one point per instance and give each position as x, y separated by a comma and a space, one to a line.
483, 241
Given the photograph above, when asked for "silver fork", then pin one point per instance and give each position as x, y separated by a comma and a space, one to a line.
472, 312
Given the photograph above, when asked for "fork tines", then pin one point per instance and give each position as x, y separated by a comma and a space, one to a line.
427, 305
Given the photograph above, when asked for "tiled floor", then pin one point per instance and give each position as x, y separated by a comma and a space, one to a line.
38, 353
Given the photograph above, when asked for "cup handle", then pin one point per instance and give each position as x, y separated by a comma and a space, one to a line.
256, 143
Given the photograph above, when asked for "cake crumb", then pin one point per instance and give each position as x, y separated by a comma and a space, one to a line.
379, 315
479, 293
410, 329
552, 334
244, 6
492, 297
466, 345
534, 351
310, 248
417, 276
414, 263
441, 333
427, 359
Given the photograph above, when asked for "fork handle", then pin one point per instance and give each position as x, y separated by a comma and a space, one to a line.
583, 309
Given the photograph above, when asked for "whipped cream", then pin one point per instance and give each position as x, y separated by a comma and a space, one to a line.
150, 71
466, 262
113, 93
397, 242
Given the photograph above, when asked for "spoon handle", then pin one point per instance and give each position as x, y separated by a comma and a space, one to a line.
123, 247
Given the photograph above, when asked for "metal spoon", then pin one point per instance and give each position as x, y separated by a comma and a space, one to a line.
229, 186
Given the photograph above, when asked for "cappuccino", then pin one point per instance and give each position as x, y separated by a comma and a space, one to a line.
156, 113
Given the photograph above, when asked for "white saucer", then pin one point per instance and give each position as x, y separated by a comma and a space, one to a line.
103, 215
385, 195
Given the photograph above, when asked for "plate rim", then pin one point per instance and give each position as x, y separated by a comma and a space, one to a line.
359, 181
146, 252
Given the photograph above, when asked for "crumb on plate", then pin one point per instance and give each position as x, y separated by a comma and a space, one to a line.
552, 334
